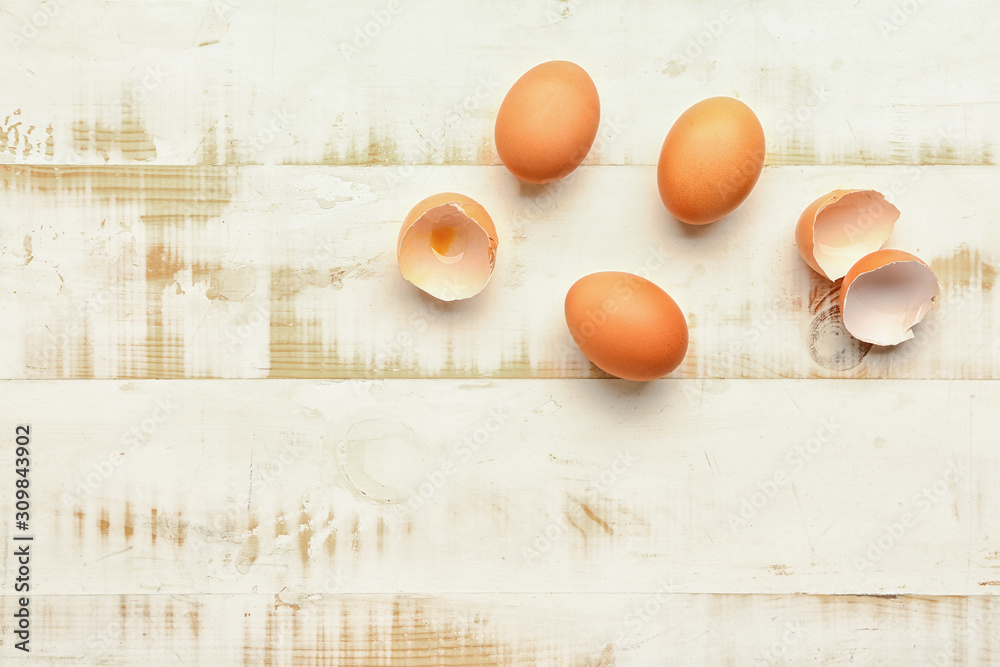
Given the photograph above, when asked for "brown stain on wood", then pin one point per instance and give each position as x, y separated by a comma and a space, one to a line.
965, 268
161, 200
594, 517
181, 530
130, 138
278, 602
85, 360
485, 155
418, 631
128, 522
161, 527
299, 348
802, 151
356, 536
330, 543
607, 657
288, 282
206, 193
104, 524
575, 525
123, 615
378, 148
250, 549
136, 143
18, 138
80, 520
454, 631
168, 619
269, 643
822, 292
248, 643
228, 283
280, 526
162, 262
989, 583
297, 344
305, 534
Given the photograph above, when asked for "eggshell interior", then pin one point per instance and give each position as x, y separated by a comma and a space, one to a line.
447, 253
843, 226
882, 305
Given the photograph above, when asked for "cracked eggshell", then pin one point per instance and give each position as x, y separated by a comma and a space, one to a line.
710, 160
447, 246
626, 325
841, 227
885, 294
547, 122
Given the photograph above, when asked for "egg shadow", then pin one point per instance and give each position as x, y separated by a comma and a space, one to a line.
533, 190
647, 390
665, 224
433, 305
697, 232
540, 196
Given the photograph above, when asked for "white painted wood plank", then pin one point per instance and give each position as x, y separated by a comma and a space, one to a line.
291, 272
640, 629
279, 81
511, 486
565, 521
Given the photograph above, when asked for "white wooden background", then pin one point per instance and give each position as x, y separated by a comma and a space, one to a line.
209, 193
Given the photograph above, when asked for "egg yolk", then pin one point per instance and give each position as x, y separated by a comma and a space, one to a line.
447, 243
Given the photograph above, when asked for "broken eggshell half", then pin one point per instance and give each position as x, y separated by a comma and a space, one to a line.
447, 246
841, 227
885, 294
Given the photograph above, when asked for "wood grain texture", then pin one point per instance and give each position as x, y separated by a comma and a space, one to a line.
305, 82
212, 189
171, 272
574, 630
511, 486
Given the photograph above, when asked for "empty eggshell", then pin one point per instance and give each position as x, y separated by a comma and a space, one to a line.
547, 122
626, 325
841, 227
885, 294
447, 246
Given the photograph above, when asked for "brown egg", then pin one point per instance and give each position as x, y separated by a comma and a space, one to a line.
626, 325
548, 122
710, 160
